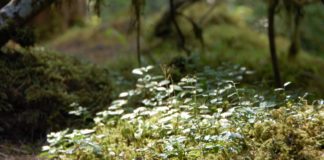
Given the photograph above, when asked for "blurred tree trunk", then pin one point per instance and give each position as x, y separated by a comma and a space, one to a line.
17, 13
53, 21
271, 35
163, 27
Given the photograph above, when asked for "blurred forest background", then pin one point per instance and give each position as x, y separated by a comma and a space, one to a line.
74, 58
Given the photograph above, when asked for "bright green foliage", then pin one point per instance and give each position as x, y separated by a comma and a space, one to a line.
202, 116
37, 88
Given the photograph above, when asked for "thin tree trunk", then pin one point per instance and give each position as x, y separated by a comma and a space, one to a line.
271, 35
17, 13
138, 41
163, 26
138, 31
295, 39
182, 40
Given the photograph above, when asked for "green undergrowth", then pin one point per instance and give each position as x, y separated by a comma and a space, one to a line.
229, 38
38, 89
206, 115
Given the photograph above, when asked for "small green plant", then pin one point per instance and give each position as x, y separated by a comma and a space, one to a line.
203, 116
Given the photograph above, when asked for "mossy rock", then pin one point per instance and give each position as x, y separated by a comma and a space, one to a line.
37, 88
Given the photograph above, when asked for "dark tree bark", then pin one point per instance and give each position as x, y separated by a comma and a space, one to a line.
173, 15
163, 26
296, 8
137, 7
271, 35
295, 37
138, 37
16, 14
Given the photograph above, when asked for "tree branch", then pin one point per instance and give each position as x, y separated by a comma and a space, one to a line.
16, 13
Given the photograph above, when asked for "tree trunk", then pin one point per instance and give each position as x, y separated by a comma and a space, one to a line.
17, 13
164, 25
295, 38
181, 38
271, 35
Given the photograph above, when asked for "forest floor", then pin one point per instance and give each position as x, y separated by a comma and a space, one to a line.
96, 44
17, 152
106, 43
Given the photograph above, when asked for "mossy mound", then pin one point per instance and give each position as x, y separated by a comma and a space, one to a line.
294, 133
37, 88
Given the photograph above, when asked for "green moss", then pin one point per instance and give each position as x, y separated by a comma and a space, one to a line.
290, 136
37, 87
